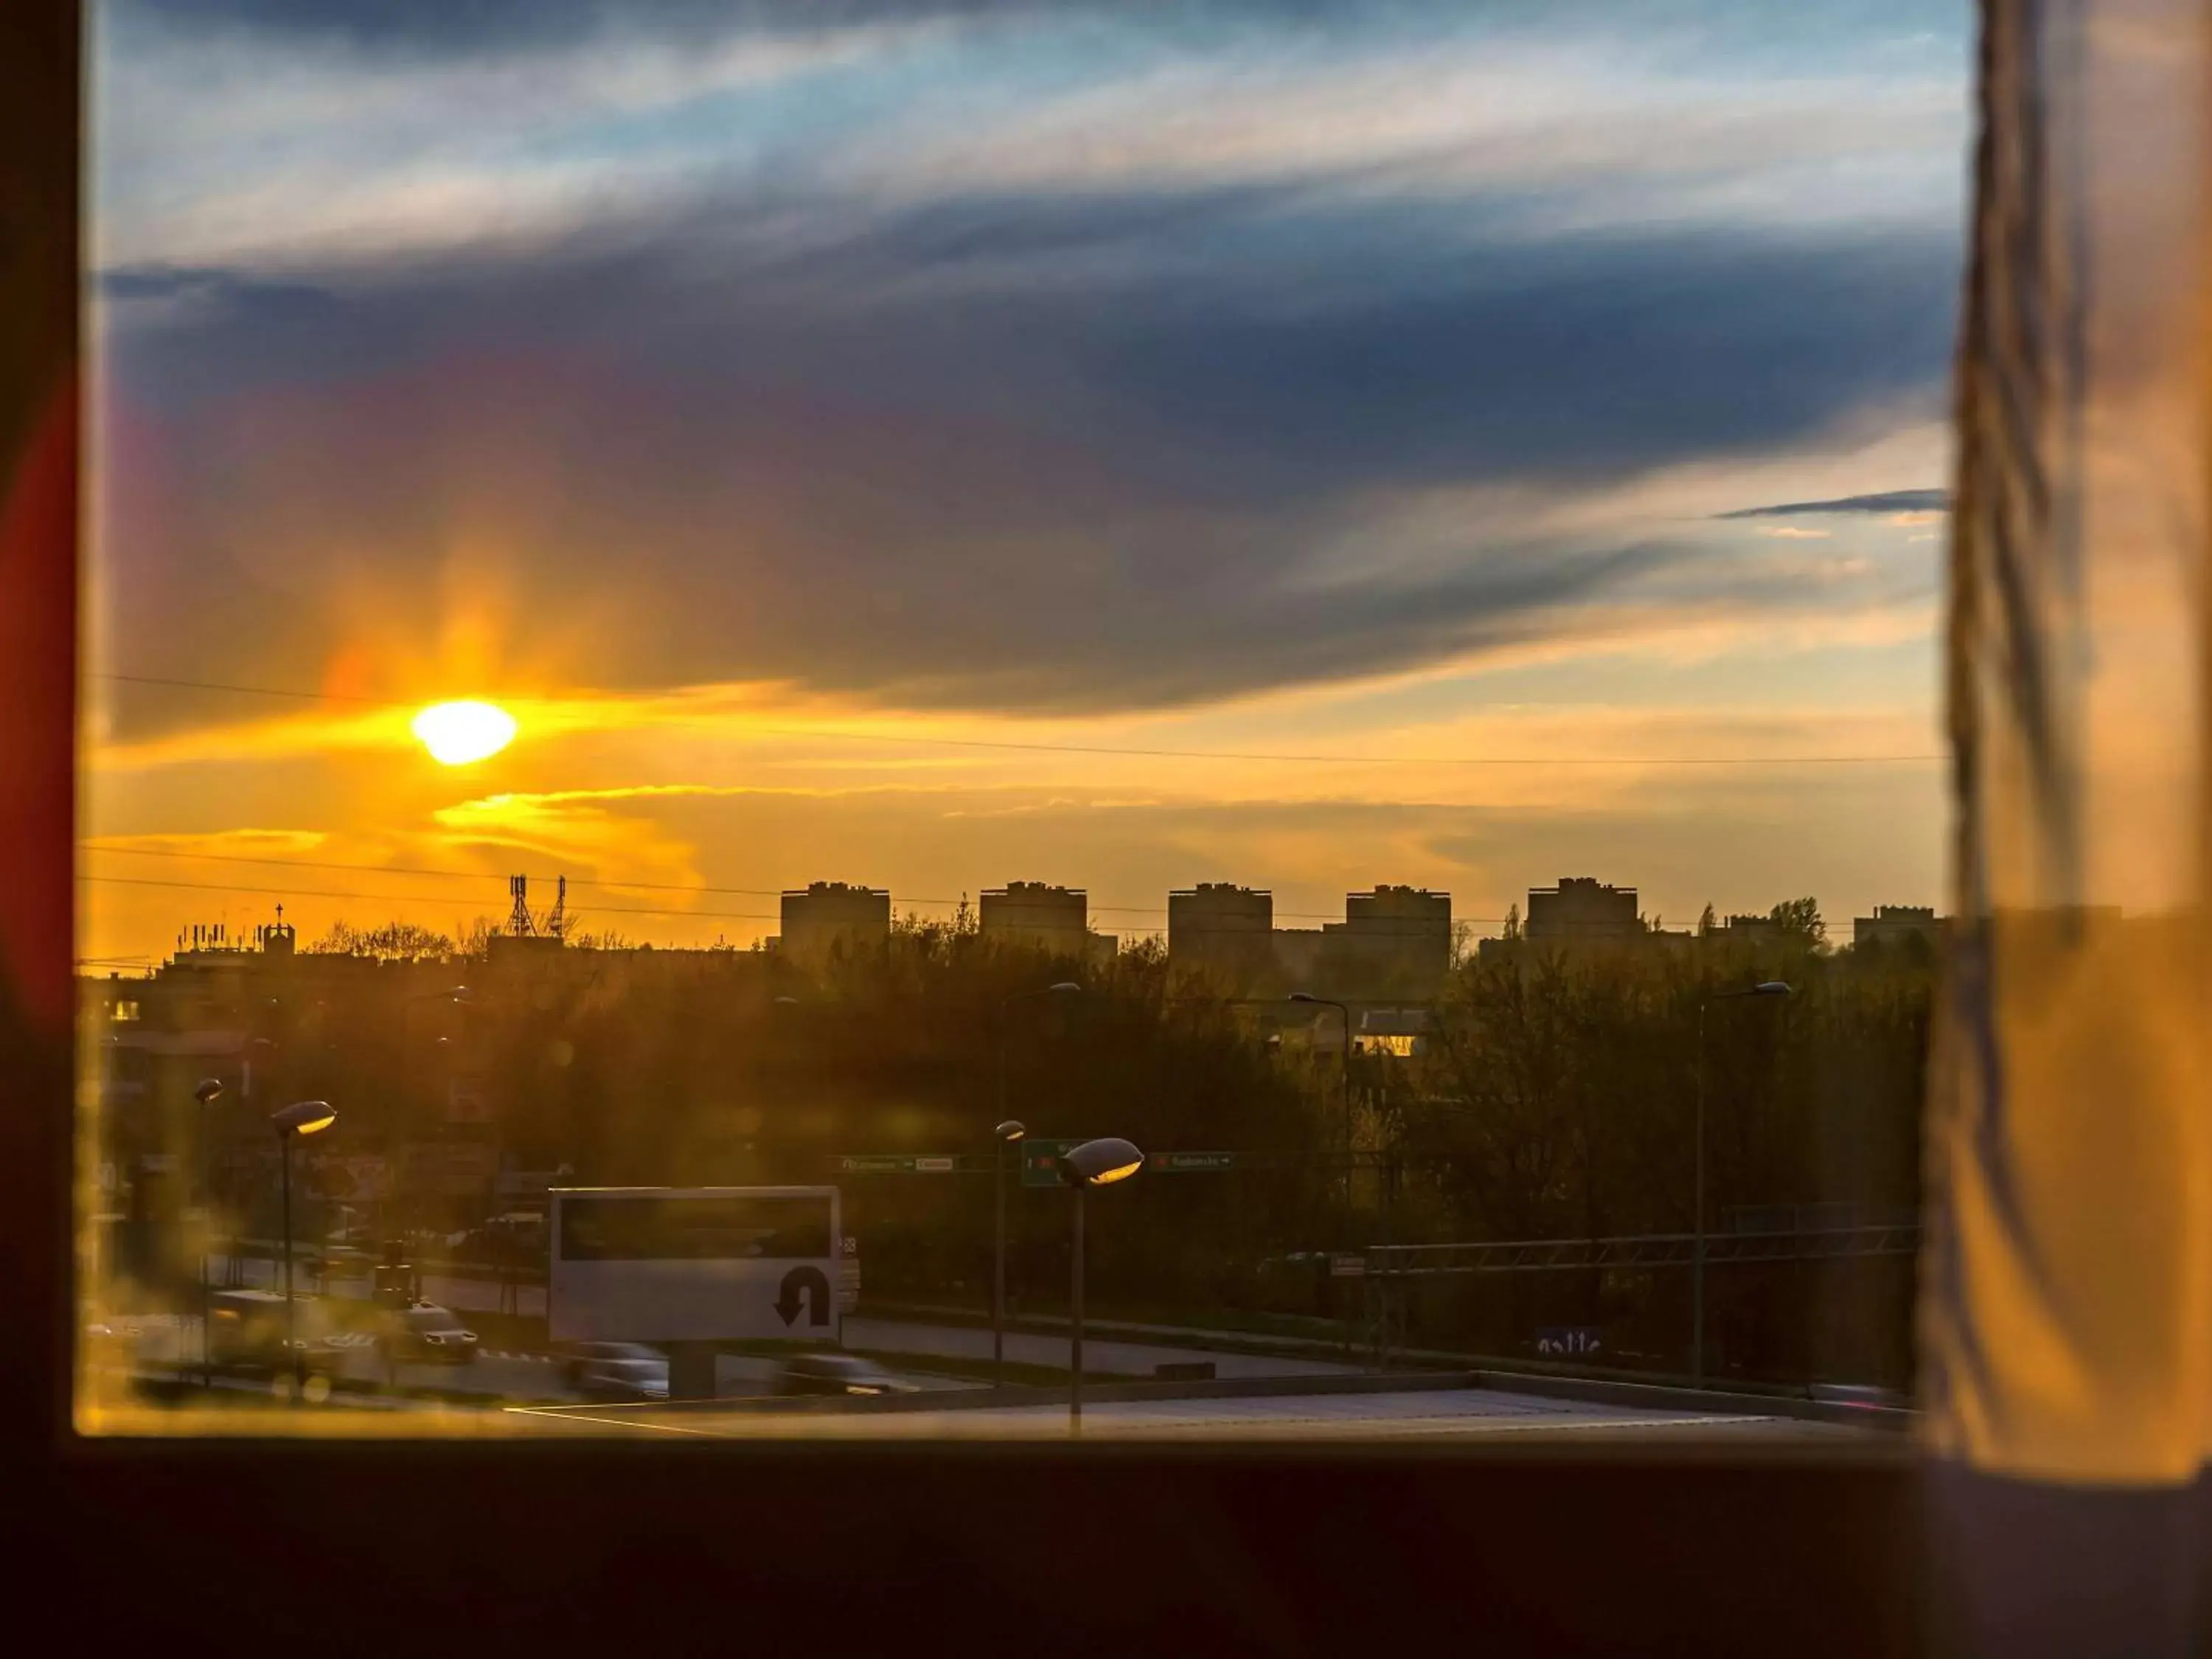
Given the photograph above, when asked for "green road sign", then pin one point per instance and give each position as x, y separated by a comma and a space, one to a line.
1190, 1163
1041, 1159
898, 1164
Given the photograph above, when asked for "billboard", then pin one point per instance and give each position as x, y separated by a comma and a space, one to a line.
693, 1264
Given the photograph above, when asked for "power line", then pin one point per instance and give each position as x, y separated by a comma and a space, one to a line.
467, 904
409, 898
451, 875
1134, 752
586, 881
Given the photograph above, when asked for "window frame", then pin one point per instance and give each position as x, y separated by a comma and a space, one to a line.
1311, 1547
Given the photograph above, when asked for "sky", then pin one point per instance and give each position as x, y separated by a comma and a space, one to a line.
1309, 443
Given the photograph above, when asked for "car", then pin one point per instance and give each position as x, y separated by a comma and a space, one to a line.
425, 1331
837, 1374
252, 1331
616, 1371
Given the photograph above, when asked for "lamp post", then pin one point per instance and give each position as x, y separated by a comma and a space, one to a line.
1344, 1220
1008, 1133
1066, 988
234, 1270
1094, 1163
1344, 1014
207, 1089
410, 1209
1772, 987
301, 1117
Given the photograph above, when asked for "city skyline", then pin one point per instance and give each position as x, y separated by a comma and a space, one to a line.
1027, 913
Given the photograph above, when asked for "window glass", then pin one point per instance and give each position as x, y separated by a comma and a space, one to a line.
690, 605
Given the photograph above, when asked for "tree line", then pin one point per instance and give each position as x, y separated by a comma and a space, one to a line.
1553, 1096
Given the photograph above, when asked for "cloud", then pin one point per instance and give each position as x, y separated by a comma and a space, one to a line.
662, 360
1793, 532
1907, 506
1050, 495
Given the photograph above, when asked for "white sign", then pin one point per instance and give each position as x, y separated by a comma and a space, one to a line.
933, 1166
694, 1264
1348, 1267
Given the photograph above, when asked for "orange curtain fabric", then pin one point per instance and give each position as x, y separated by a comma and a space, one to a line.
2067, 1302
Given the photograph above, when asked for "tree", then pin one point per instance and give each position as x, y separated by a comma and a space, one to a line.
598, 938
1554, 1101
1800, 918
1708, 923
394, 941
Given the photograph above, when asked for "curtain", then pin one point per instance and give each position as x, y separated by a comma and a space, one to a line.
2067, 1289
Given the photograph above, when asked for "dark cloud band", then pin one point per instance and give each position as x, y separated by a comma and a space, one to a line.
1892, 500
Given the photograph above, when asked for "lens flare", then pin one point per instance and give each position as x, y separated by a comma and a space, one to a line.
457, 733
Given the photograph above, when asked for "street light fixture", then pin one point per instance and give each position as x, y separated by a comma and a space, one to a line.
1007, 1134
206, 1089
301, 1117
1767, 987
1094, 1163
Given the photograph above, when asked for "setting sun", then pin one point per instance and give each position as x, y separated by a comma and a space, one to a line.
457, 733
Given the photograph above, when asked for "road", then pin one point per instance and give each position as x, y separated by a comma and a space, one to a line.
165, 1342
966, 1342
462, 1295
1461, 1414
902, 1336
162, 1344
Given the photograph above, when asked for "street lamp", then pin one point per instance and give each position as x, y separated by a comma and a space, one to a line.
1007, 1134
410, 1208
207, 1089
246, 1066
1066, 988
1770, 988
1344, 1014
1094, 1163
301, 1117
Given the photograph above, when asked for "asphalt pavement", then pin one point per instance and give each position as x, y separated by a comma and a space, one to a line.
1463, 1415
967, 1342
171, 1343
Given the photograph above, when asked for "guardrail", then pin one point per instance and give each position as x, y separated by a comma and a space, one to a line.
1641, 1250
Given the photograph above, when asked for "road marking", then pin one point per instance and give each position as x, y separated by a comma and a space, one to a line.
572, 1415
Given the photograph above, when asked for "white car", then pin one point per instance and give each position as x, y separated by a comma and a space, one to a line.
425, 1331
